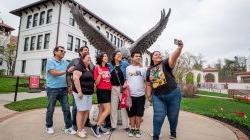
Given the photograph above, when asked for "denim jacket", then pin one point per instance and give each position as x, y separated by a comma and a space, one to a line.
123, 66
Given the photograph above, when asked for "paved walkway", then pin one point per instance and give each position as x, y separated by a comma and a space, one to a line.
30, 125
7, 98
223, 91
214, 97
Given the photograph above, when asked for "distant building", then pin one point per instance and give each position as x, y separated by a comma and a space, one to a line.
5, 38
244, 77
48, 23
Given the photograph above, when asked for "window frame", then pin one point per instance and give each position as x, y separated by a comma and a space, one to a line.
46, 41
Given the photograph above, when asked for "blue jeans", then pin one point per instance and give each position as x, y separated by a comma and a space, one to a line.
74, 112
53, 95
167, 104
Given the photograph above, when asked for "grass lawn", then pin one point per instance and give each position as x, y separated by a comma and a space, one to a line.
8, 84
232, 111
212, 93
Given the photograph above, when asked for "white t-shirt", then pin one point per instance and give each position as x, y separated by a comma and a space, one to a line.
136, 76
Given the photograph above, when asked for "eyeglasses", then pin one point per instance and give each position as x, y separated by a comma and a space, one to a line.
62, 51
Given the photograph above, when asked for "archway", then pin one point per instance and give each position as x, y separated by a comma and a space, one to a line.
209, 77
190, 78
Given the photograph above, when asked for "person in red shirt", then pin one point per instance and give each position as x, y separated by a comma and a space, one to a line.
103, 85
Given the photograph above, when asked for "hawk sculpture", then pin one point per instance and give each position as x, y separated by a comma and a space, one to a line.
100, 42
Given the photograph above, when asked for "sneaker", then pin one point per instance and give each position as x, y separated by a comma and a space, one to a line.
127, 129
173, 135
80, 134
50, 130
84, 131
131, 132
112, 129
70, 131
104, 131
151, 134
96, 131
137, 133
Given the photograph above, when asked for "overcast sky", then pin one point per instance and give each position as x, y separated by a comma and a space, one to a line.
214, 28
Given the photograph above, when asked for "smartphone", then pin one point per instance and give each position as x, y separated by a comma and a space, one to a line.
176, 41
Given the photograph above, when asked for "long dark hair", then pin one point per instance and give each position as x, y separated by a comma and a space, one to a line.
113, 57
99, 59
151, 56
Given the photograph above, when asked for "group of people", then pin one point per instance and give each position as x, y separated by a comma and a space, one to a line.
81, 79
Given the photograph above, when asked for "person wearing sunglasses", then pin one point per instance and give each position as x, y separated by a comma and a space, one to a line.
57, 90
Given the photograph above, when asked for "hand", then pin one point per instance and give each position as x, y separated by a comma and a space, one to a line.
71, 69
80, 95
180, 44
125, 85
70, 91
150, 99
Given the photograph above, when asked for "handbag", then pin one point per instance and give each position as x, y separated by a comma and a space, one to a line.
126, 100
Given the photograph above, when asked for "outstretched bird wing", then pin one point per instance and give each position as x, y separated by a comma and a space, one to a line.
97, 39
147, 39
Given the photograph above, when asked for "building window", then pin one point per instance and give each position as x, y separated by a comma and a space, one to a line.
42, 18
1, 61
23, 66
49, 16
29, 21
71, 21
107, 34
70, 42
84, 43
32, 43
121, 43
115, 40
111, 37
44, 63
97, 52
118, 42
35, 19
39, 42
46, 41
77, 44
26, 44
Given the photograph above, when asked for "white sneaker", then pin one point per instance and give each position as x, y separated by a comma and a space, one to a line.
84, 131
50, 130
70, 131
151, 134
81, 134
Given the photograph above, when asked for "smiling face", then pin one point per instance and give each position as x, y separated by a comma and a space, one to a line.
105, 58
118, 56
86, 60
136, 58
60, 52
156, 57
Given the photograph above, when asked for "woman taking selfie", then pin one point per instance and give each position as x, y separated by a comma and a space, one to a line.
163, 92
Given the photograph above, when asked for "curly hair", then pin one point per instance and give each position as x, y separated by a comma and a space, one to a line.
99, 58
